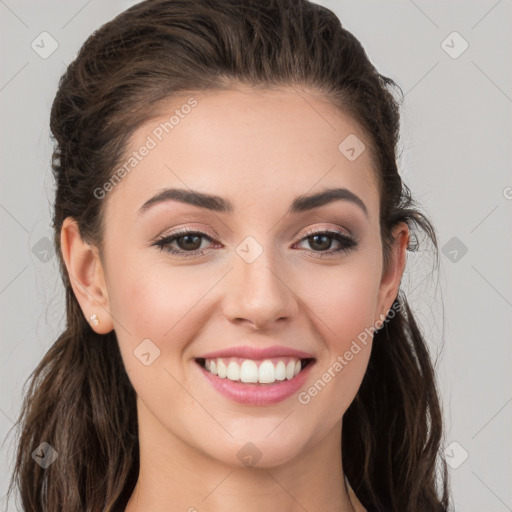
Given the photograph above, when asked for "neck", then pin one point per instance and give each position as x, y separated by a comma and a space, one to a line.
174, 476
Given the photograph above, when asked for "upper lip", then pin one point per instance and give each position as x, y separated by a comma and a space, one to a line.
248, 352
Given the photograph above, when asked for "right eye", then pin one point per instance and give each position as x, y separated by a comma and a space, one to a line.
185, 240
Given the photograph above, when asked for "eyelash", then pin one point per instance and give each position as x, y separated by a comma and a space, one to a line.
347, 242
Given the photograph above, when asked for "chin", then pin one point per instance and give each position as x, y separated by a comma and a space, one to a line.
258, 451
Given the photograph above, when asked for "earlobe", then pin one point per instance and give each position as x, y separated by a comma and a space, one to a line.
86, 275
391, 277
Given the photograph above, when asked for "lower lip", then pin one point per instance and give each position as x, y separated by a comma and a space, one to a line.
257, 394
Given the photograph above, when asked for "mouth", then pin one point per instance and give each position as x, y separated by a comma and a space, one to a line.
255, 371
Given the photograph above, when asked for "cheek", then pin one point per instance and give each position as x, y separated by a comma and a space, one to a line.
344, 302
344, 307
150, 301
157, 310
154, 320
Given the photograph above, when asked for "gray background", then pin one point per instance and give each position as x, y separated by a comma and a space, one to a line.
456, 140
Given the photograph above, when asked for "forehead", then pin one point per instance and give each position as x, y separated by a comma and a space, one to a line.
249, 145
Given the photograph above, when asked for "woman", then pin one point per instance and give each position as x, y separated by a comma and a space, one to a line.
232, 232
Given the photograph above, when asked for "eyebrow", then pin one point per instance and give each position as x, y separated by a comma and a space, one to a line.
218, 204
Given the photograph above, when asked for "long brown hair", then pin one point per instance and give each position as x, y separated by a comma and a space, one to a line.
80, 400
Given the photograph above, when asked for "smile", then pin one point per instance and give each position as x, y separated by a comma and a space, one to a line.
263, 371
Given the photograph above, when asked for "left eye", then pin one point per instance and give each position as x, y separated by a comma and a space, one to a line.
323, 238
189, 242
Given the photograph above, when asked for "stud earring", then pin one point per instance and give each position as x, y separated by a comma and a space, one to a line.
94, 319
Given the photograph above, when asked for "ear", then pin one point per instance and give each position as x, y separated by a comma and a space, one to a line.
86, 276
391, 277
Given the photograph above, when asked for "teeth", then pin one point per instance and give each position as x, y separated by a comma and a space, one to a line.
266, 372
221, 369
280, 371
233, 371
247, 370
290, 370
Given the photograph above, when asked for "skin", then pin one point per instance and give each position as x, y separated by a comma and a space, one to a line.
259, 149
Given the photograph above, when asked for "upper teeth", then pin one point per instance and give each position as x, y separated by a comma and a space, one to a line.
247, 370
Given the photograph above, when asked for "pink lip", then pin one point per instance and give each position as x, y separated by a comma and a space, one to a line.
247, 352
257, 394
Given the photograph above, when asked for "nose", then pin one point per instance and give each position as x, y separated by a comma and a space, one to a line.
259, 294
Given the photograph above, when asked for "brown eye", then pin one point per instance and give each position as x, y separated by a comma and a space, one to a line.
321, 241
188, 243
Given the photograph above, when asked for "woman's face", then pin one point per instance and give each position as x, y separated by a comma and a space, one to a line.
251, 279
